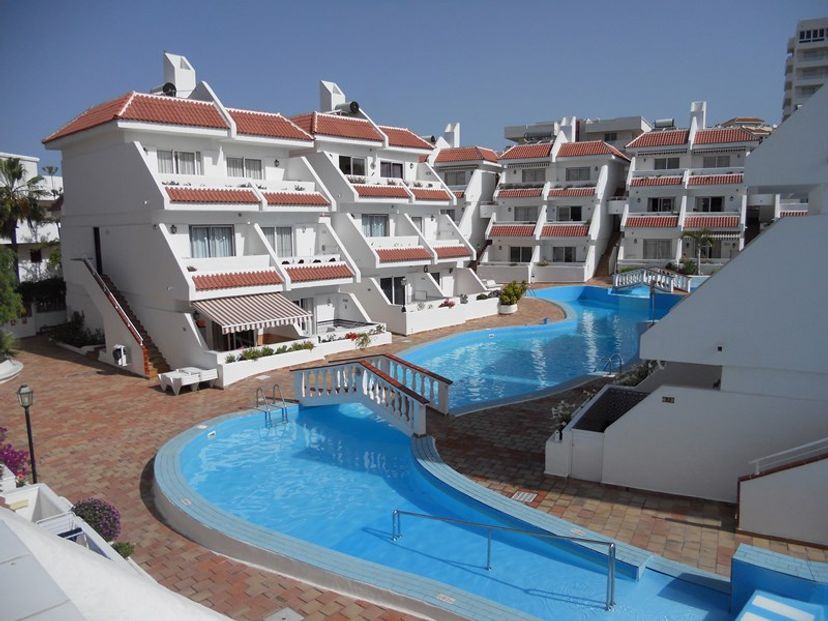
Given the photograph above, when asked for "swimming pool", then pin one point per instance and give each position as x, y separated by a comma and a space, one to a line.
331, 476
508, 364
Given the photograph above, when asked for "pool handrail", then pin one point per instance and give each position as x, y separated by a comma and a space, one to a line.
396, 533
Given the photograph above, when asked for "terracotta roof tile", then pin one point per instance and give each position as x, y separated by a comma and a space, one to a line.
661, 138
465, 154
413, 253
148, 109
651, 222
317, 123
646, 182
512, 230
714, 179
231, 280
405, 138
790, 213
520, 193
724, 135
318, 271
458, 193
430, 194
225, 196
711, 221
296, 199
527, 151
381, 191
588, 148
267, 124
565, 230
571, 192
451, 252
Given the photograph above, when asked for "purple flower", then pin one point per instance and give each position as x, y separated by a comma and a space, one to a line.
100, 515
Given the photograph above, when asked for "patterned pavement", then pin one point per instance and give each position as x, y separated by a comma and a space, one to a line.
97, 430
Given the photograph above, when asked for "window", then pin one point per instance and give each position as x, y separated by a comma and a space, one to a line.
710, 203
666, 163
817, 34
610, 136
569, 214
716, 161
211, 241
375, 225
394, 289
36, 255
563, 254
281, 239
244, 167
660, 204
520, 254
526, 214
418, 222
712, 249
658, 249
180, 162
533, 175
577, 174
233, 340
391, 170
455, 177
436, 277
352, 165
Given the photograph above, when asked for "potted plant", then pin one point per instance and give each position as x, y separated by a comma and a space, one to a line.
510, 295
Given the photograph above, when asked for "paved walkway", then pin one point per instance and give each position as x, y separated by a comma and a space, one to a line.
97, 430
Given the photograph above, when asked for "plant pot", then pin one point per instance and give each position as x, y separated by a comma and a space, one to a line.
507, 309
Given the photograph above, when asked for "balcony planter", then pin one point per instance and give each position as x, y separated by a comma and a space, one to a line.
507, 309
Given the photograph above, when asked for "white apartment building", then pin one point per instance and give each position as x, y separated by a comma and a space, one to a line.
551, 221
806, 67
692, 179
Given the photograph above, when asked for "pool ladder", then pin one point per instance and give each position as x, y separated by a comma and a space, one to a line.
607, 368
396, 533
269, 404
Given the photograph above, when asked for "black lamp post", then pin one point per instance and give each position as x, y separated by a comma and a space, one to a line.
25, 395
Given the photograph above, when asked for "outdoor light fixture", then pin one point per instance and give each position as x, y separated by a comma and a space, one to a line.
275, 162
173, 229
25, 396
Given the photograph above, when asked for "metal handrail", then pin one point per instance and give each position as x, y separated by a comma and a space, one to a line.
783, 458
396, 533
609, 360
268, 404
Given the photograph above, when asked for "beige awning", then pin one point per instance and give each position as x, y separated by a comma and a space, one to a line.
251, 312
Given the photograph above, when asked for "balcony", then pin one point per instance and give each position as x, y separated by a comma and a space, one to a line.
242, 195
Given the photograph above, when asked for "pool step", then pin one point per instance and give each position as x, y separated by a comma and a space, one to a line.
764, 606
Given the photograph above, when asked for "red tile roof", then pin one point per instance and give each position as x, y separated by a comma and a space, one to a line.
148, 109
293, 199
317, 123
565, 230
788, 213
225, 196
714, 179
527, 151
231, 280
451, 252
587, 148
430, 194
465, 154
318, 271
381, 191
661, 138
641, 182
651, 222
724, 135
512, 230
267, 124
414, 253
520, 193
457, 193
571, 192
402, 137
711, 221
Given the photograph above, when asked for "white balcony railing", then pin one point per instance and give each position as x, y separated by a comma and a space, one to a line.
309, 259
264, 185
402, 241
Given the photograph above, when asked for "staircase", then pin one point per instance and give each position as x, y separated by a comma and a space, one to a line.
602, 270
486, 243
154, 362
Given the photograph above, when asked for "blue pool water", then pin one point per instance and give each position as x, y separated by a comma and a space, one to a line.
507, 364
333, 475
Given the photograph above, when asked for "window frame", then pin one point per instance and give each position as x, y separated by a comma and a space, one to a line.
351, 159
522, 251
660, 244
568, 254
665, 163
660, 201
210, 240
569, 208
393, 166
538, 173
570, 174
176, 168
706, 204
533, 209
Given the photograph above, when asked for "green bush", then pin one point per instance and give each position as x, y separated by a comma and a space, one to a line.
75, 333
512, 292
124, 548
250, 354
482, 296
267, 351
230, 358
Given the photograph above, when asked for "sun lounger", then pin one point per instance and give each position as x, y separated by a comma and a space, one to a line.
186, 376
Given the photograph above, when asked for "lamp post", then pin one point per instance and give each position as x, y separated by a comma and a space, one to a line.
25, 396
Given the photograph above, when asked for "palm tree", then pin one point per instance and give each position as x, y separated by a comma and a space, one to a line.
701, 238
18, 201
51, 171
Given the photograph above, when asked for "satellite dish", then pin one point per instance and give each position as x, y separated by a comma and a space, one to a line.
169, 89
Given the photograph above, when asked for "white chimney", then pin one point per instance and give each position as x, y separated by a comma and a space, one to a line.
330, 96
698, 113
451, 134
179, 72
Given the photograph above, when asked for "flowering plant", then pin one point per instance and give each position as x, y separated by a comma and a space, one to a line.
100, 515
447, 304
15, 460
351, 336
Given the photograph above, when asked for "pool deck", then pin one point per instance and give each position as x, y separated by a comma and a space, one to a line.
97, 429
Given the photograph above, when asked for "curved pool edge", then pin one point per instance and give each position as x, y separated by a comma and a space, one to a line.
637, 560
189, 514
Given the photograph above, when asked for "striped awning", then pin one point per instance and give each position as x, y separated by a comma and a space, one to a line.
725, 235
250, 312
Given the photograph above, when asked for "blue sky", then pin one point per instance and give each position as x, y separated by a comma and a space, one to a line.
417, 64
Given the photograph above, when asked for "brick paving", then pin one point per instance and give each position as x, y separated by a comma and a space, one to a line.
97, 430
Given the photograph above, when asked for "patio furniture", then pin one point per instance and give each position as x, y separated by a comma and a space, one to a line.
186, 376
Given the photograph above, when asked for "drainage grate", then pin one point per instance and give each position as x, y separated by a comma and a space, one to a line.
285, 614
262, 378
524, 496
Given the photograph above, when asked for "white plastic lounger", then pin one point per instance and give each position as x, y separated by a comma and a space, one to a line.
186, 376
